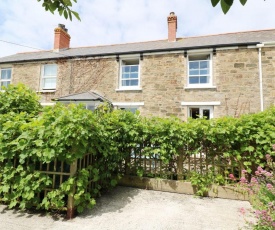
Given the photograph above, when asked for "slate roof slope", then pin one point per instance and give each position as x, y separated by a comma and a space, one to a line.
86, 96
219, 40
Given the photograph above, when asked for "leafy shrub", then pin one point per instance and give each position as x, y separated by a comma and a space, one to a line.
29, 134
17, 99
203, 183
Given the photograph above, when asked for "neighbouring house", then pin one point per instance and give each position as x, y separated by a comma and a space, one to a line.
213, 76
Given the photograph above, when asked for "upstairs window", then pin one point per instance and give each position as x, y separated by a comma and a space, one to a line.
49, 73
129, 74
199, 70
5, 77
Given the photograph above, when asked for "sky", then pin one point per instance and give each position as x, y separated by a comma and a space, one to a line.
105, 22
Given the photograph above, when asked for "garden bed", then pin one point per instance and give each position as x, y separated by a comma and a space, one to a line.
182, 187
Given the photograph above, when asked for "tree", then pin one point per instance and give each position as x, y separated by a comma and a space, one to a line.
62, 6
19, 98
226, 4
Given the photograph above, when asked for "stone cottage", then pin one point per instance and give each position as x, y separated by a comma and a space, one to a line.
212, 76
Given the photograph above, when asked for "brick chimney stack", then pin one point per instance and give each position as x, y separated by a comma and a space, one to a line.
61, 37
172, 27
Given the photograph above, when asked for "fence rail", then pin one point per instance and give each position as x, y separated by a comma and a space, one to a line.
182, 166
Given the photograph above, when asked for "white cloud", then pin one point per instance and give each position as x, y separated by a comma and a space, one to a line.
118, 21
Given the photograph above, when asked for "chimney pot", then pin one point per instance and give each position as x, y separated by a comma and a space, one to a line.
61, 37
172, 27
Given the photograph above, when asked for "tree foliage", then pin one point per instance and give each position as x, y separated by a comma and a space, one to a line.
64, 7
17, 99
226, 4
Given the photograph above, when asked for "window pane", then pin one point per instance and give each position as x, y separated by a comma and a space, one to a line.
194, 80
134, 75
129, 75
193, 72
134, 68
204, 71
125, 82
131, 109
204, 79
49, 83
134, 82
91, 107
194, 65
5, 83
194, 113
50, 70
6, 74
204, 64
206, 114
125, 75
199, 69
126, 69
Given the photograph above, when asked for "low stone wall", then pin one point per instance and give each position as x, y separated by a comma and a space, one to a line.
182, 187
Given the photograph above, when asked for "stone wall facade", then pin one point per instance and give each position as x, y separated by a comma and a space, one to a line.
235, 75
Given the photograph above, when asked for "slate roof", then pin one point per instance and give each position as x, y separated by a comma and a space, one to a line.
86, 96
187, 43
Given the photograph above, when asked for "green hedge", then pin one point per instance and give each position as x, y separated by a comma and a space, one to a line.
68, 133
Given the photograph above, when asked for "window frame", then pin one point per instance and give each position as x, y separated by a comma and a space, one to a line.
129, 108
5, 80
210, 74
201, 108
48, 77
89, 105
121, 64
128, 105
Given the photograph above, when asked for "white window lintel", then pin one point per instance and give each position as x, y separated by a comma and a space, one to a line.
207, 103
47, 103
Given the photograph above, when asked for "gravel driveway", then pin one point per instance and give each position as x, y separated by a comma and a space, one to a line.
131, 208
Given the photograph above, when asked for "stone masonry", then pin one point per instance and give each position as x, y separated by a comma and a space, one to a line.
163, 81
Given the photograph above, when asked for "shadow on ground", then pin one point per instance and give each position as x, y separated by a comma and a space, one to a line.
107, 203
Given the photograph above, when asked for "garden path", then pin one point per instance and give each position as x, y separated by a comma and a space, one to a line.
137, 209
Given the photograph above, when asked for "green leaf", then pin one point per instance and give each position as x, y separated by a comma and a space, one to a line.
5, 188
70, 15
65, 14
243, 2
229, 2
250, 149
60, 11
114, 182
12, 204
80, 209
76, 15
225, 6
215, 2
67, 2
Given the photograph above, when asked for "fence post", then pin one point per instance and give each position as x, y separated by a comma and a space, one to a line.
180, 164
127, 164
70, 205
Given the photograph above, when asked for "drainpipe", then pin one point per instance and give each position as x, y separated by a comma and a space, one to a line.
259, 46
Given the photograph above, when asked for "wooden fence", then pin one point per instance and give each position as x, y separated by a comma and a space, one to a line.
180, 167
59, 172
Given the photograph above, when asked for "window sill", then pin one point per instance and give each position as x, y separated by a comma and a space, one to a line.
201, 87
128, 89
46, 91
